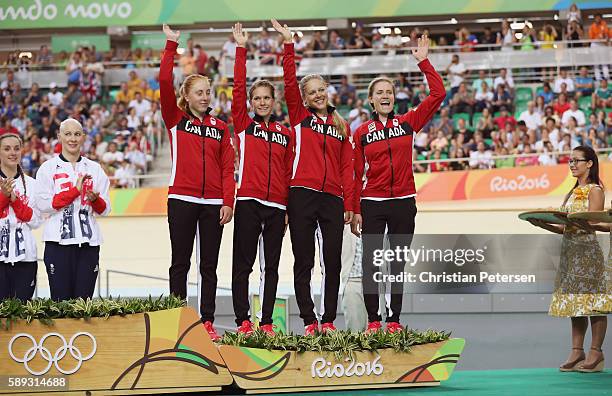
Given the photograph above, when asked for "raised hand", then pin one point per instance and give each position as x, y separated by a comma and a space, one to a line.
241, 36
283, 30
172, 35
422, 49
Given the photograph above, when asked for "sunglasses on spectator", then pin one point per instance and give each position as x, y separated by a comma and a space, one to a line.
575, 161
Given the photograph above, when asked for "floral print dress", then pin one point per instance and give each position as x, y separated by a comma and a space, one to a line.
583, 285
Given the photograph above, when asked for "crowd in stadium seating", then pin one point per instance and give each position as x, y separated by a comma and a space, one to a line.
123, 135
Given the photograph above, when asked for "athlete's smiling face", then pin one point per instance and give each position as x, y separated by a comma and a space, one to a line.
262, 101
382, 98
315, 94
72, 137
10, 151
198, 96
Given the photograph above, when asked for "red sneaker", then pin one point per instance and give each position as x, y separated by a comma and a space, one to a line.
210, 329
373, 327
246, 327
311, 329
327, 327
392, 327
268, 329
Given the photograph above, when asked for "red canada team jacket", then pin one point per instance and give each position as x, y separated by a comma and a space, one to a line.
323, 158
202, 152
386, 150
266, 152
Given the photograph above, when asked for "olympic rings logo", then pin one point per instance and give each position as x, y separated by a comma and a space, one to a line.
53, 359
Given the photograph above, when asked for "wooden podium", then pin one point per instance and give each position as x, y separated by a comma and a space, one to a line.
169, 351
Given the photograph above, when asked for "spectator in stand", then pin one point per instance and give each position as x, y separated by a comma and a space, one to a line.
113, 157
467, 40
55, 96
154, 82
547, 93
477, 83
73, 68
481, 158
34, 95
504, 162
279, 114
444, 123
501, 99
504, 78
574, 32
505, 38
561, 105
563, 78
224, 87
124, 95
456, 72
462, 101
222, 107
527, 159
44, 58
585, 85
602, 97
357, 110
124, 175
378, 43
317, 44
187, 63
573, 112
266, 48
358, 40
403, 93
463, 131
9, 82
393, 41
460, 164
487, 38
533, 120
139, 104
484, 97
599, 31
228, 52
573, 130
9, 109
438, 166
201, 59
7, 127
134, 83
548, 35
440, 143
21, 121
346, 92
133, 121
504, 118
336, 43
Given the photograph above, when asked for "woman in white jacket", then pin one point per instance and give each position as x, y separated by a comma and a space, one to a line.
17, 219
73, 190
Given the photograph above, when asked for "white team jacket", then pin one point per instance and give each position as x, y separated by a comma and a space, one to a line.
76, 222
16, 240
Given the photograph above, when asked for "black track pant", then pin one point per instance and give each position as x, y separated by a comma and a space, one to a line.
256, 224
72, 270
184, 218
397, 215
308, 209
18, 280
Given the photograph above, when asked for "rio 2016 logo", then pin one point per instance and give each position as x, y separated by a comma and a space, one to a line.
520, 183
321, 368
52, 358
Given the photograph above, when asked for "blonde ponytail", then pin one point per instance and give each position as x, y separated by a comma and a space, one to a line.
339, 123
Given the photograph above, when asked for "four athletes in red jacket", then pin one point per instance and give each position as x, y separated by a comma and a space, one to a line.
310, 174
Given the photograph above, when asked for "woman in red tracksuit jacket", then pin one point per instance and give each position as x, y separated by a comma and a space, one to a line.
321, 188
201, 191
384, 186
266, 155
